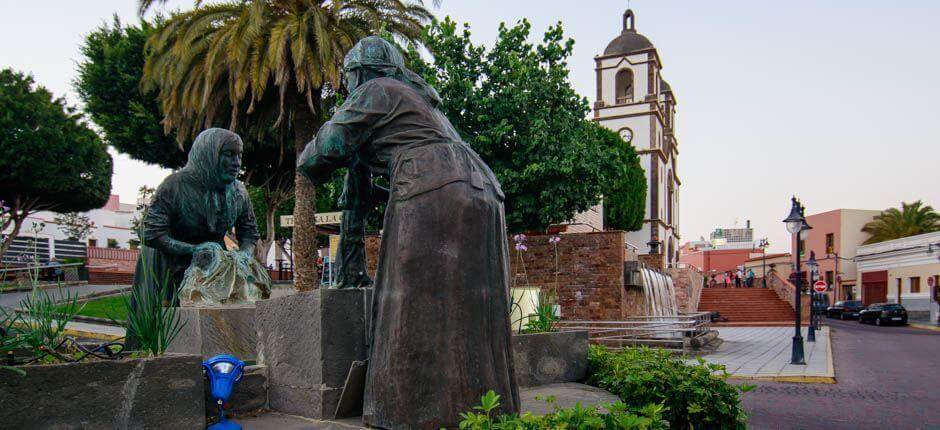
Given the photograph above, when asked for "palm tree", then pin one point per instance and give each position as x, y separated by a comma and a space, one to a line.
253, 63
913, 219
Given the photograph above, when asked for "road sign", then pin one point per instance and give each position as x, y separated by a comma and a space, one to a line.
820, 286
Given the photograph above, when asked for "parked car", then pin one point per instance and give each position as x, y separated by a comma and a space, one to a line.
883, 313
845, 309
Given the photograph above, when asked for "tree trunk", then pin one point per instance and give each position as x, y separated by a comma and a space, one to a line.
8, 239
275, 198
18, 213
304, 240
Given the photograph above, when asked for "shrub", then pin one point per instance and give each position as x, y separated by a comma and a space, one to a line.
152, 323
696, 395
618, 417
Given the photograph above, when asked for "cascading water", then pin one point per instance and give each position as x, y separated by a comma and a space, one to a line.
660, 294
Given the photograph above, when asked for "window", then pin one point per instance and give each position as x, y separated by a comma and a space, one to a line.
93, 243
624, 86
830, 243
830, 277
915, 284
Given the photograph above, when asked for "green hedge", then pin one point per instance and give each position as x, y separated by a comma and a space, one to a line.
696, 396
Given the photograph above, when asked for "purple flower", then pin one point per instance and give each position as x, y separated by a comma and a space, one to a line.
521, 247
554, 239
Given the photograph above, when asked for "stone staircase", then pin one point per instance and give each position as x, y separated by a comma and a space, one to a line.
746, 306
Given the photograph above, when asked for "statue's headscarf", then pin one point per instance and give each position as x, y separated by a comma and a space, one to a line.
379, 55
204, 188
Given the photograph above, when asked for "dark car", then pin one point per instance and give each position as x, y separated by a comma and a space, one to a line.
883, 313
845, 309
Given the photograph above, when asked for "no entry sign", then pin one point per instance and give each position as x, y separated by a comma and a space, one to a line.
820, 286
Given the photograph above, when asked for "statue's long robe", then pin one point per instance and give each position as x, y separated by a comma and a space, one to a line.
441, 333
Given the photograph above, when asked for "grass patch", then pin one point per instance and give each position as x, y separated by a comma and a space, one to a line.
106, 307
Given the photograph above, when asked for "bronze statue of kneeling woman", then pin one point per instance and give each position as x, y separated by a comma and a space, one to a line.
440, 328
190, 214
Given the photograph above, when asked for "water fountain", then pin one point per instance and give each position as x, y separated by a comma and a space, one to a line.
659, 292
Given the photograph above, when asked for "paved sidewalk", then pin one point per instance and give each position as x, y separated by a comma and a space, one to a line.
566, 395
12, 300
764, 353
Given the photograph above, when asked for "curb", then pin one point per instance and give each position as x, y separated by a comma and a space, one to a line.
43, 287
100, 321
924, 326
91, 335
829, 378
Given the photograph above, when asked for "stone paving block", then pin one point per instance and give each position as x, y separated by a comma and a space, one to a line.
307, 342
213, 330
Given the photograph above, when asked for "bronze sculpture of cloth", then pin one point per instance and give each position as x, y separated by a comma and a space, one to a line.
191, 212
440, 329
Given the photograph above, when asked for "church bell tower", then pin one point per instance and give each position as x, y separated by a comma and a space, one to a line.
633, 100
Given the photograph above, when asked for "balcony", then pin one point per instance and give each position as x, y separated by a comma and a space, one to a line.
624, 100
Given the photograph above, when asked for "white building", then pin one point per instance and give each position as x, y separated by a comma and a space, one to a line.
112, 223
904, 271
633, 100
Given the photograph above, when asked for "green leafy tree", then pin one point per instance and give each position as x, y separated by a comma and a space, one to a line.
515, 106
625, 194
910, 220
266, 62
74, 225
49, 158
108, 84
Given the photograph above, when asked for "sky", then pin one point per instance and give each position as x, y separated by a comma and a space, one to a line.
836, 102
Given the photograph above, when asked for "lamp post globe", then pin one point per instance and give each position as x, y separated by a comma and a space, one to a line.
794, 223
795, 220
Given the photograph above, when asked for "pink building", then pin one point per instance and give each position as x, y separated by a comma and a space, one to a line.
717, 261
834, 238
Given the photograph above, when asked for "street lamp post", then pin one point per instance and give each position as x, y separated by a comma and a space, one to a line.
811, 266
795, 224
763, 256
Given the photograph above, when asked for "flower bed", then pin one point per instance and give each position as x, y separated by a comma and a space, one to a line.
697, 396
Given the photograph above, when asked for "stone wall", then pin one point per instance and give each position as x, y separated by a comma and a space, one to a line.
688, 285
589, 280
785, 290
111, 265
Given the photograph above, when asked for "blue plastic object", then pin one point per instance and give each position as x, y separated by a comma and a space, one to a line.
223, 371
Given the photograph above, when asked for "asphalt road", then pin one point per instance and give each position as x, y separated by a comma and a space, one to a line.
887, 378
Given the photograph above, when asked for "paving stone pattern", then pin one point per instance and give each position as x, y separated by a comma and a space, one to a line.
765, 352
886, 378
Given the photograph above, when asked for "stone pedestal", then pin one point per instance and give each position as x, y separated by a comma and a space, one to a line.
307, 342
210, 331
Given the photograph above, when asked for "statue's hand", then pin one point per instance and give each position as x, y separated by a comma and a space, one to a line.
204, 254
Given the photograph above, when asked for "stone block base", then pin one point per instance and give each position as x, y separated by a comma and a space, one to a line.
550, 358
144, 393
307, 342
209, 331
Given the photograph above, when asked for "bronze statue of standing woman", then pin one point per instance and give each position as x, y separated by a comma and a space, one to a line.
441, 335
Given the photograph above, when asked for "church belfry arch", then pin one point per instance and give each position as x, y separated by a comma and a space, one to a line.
624, 86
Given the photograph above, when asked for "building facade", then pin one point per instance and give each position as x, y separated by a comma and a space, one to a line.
633, 100
733, 237
902, 271
113, 225
835, 236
